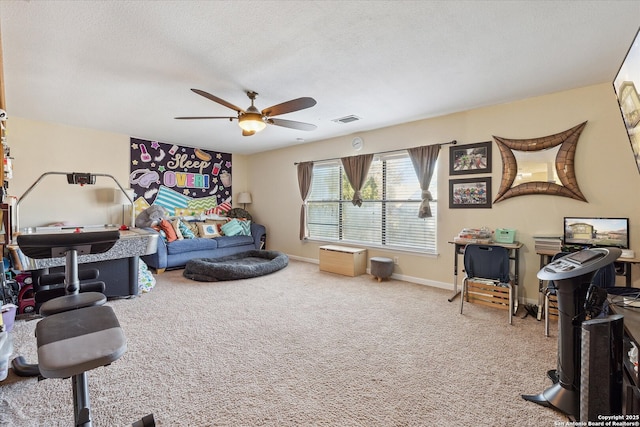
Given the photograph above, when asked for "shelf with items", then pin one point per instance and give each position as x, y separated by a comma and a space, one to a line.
630, 381
3, 108
548, 243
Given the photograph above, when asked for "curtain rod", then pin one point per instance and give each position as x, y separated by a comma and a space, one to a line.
454, 142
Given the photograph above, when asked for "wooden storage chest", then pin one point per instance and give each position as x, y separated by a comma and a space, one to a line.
343, 260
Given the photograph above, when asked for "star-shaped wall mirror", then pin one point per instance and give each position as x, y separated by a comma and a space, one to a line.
540, 165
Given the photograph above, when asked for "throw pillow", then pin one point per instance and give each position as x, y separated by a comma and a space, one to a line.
193, 226
176, 227
186, 231
162, 233
218, 223
246, 227
232, 228
207, 230
168, 230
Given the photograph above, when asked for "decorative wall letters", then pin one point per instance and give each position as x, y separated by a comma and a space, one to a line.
184, 180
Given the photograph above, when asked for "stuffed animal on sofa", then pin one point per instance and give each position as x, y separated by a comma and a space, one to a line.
150, 216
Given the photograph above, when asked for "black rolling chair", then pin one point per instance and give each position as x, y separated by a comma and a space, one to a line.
486, 263
78, 332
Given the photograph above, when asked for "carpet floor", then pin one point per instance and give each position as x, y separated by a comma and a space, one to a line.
301, 347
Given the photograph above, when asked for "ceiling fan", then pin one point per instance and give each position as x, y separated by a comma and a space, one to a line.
252, 120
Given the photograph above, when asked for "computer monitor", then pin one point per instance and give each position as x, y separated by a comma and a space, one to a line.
587, 231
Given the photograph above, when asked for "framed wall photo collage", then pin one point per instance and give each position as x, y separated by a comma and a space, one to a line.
466, 160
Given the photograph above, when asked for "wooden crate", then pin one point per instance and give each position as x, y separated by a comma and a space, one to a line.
488, 294
343, 260
553, 307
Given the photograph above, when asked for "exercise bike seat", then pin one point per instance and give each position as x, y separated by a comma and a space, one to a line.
72, 302
95, 339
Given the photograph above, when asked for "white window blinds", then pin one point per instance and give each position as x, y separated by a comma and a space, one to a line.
389, 212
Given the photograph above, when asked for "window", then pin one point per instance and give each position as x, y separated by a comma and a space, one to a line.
388, 216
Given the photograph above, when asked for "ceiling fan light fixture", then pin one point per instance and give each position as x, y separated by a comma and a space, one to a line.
251, 122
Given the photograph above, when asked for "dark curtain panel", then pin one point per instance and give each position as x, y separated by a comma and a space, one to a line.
305, 172
357, 168
424, 162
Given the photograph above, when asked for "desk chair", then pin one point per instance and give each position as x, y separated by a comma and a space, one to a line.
604, 277
78, 333
487, 263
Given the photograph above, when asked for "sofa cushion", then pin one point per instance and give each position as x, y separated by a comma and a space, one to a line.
229, 241
190, 245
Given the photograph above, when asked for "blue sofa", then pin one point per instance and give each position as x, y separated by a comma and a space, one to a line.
177, 253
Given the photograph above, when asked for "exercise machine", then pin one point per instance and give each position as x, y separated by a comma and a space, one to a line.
572, 275
78, 333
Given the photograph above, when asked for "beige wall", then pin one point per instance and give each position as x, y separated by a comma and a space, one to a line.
604, 167
605, 170
39, 147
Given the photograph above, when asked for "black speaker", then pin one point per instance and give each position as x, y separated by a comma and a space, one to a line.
601, 367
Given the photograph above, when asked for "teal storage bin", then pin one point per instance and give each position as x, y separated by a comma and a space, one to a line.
504, 235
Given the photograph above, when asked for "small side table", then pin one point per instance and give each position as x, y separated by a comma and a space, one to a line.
381, 268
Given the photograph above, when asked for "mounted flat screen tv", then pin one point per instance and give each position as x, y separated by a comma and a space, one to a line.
596, 231
626, 86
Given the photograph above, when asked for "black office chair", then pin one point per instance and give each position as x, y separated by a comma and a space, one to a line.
488, 264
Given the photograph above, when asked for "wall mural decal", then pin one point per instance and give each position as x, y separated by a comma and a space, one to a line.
565, 142
184, 180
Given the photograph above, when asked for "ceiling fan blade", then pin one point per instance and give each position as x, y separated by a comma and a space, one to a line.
218, 100
289, 106
291, 124
208, 117
248, 132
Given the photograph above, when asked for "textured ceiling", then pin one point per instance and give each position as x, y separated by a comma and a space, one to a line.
128, 66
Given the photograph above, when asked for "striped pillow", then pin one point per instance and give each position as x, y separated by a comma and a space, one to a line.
246, 227
186, 231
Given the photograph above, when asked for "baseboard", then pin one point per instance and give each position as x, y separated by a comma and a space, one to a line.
404, 278
309, 260
417, 280
421, 281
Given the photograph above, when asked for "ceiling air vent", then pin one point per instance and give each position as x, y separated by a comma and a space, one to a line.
347, 119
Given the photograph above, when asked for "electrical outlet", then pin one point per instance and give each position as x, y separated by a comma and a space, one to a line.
395, 260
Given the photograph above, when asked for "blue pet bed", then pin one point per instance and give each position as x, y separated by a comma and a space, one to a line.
239, 266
